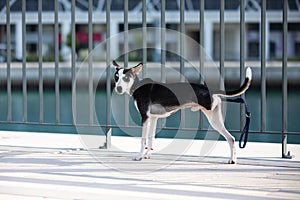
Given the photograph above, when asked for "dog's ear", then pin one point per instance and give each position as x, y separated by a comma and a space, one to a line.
116, 64
137, 69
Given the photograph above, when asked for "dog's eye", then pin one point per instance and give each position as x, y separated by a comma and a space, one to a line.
116, 77
126, 78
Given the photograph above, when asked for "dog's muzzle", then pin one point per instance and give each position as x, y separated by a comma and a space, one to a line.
119, 89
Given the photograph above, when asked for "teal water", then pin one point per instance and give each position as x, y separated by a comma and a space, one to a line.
273, 123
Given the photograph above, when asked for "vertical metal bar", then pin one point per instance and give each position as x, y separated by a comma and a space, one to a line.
8, 44
163, 41
24, 81
40, 55
182, 53
90, 64
73, 52
201, 51
201, 40
108, 77
242, 56
56, 55
182, 32
163, 47
285, 153
144, 36
222, 43
263, 65
126, 33
126, 111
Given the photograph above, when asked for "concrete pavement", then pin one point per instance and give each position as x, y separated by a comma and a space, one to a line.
57, 166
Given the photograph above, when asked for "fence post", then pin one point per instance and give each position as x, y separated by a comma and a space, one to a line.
126, 47
144, 36
90, 63
73, 61
8, 70
56, 46
222, 44
201, 52
263, 65
108, 82
40, 55
285, 153
24, 81
182, 55
242, 57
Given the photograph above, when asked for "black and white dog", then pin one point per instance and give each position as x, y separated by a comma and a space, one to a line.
159, 100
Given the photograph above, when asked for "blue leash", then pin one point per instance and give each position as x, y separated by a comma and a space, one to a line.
244, 137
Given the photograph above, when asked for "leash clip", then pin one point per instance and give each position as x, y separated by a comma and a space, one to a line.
248, 115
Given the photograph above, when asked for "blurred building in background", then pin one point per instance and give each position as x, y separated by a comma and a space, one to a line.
211, 26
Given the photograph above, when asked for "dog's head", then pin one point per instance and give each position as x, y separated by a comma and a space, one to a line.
124, 78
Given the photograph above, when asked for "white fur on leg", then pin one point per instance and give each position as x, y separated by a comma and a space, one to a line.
151, 136
148, 149
147, 154
216, 101
215, 119
139, 156
145, 132
148, 134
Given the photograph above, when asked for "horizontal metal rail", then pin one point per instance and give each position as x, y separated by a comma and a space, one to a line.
136, 127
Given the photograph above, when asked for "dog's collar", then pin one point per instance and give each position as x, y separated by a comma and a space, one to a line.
135, 85
138, 83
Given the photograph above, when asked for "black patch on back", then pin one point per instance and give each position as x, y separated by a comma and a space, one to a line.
173, 94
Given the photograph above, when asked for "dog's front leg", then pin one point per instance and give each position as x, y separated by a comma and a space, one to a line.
151, 136
145, 131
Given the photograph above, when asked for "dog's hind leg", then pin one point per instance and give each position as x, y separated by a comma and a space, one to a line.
215, 119
151, 136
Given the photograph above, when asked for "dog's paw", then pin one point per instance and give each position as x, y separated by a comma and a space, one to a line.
138, 157
147, 155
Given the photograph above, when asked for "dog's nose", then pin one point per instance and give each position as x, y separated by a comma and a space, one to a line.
119, 89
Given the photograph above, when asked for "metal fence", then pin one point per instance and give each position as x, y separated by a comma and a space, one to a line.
108, 125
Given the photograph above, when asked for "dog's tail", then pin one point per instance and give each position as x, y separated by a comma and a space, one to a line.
240, 90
